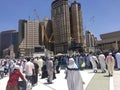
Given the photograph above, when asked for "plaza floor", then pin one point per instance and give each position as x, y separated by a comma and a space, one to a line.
93, 81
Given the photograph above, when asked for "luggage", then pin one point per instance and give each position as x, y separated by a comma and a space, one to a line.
5, 71
21, 85
28, 86
1, 74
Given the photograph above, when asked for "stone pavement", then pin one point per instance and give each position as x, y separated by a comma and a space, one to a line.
100, 81
92, 81
60, 83
116, 80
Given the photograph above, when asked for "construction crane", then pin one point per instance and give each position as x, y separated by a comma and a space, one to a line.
71, 1
90, 21
44, 34
37, 15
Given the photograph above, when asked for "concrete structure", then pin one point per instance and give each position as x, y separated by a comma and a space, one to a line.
76, 23
34, 33
67, 25
49, 37
110, 41
88, 38
28, 37
8, 38
91, 41
61, 25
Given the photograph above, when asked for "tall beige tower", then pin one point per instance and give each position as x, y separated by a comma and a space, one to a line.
76, 23
67, 25
91, 41
88, 38
61, 25
28, 36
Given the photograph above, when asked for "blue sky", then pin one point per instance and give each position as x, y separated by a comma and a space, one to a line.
99, 16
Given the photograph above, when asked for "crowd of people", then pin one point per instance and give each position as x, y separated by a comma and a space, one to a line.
21, 71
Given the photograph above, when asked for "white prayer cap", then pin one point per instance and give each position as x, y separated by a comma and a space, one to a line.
35, 60
24, 60
51, 58
110, 53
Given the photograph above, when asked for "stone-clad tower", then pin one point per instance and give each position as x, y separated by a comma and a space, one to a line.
76, 23
67, 25
61, 25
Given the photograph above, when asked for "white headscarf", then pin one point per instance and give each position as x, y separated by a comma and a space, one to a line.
74, 79
72, 63
16, 67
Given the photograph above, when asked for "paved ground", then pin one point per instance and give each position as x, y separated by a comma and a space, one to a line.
98, 81
60, 83
116, 80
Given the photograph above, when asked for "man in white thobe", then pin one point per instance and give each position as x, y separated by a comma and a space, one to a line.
101, 59
40, 63
94, 61
117, 56
50, 70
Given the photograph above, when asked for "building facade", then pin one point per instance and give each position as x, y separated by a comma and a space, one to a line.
109, 41
28, 37
76, 23
67, 25
8, 38
48, 34
0, 46
61, 25
91, 41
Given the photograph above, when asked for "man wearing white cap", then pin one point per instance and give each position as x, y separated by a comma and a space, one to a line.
101, 58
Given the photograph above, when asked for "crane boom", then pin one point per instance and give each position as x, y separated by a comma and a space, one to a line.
37, 15
44, 31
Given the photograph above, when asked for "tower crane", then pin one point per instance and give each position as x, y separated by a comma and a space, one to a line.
44, 34
70, 1
37, 15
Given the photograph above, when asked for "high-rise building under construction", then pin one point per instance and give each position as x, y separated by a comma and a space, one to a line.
67, 25
28, 36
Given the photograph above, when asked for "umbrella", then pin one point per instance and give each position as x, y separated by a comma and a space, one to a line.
59, 54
